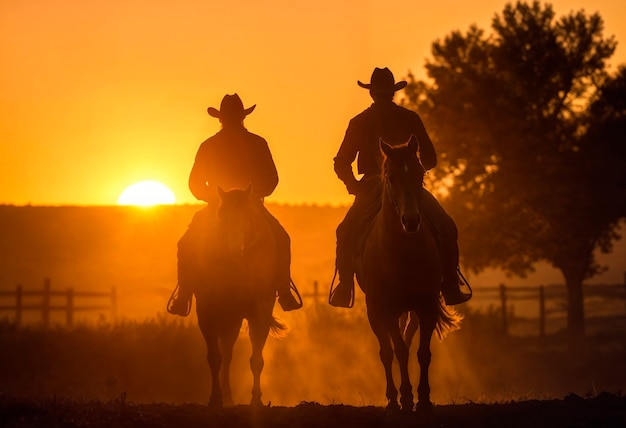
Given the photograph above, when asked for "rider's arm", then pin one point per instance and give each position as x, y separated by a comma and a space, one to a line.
266, 178
428, 156
345, 156
198, 177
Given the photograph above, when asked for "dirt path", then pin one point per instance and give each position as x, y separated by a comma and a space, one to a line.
605, 410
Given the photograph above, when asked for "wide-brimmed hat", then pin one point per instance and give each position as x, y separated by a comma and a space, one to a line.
231, 106
382, 80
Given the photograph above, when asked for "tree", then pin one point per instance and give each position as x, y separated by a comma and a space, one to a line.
527, 120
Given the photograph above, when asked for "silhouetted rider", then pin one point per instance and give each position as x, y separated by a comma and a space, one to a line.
232, 158
394, 124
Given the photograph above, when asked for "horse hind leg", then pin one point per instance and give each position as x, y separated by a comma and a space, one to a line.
411, 325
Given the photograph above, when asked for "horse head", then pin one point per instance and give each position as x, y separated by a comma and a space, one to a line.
235, 218
403, 178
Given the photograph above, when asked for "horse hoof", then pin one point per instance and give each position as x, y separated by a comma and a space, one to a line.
392, 407
424, 408
215, 404
256, 402
407, 407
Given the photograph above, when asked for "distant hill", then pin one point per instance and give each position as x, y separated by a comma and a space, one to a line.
134, 250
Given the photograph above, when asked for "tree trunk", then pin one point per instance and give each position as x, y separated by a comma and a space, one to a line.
575, 313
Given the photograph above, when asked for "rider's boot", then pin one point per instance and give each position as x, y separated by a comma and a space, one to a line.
181, 303
451, 288
343, 294
287, 290
287, 300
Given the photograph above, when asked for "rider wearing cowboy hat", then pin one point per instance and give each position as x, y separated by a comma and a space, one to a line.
394, 124
232, 158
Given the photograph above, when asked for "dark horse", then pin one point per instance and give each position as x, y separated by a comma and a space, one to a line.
239, 284
399, 270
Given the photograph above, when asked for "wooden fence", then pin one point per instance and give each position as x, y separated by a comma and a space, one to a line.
46, 304
550, 302
544, 305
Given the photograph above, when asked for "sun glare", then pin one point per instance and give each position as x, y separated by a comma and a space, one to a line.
146, 194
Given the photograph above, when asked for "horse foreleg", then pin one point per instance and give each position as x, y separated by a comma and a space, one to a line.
386, 357
423, 358
402, 354
214, 359
258, 337
228, 342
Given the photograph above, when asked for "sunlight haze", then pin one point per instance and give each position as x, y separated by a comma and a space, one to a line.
97, 96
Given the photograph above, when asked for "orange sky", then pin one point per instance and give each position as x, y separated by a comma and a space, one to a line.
99, 95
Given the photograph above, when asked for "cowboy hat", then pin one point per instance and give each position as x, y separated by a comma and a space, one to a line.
231, 106
382, 81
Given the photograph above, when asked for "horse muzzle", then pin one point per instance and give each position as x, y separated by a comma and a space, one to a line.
411, 222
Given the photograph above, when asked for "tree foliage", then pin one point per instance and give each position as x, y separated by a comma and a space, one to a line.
530, 128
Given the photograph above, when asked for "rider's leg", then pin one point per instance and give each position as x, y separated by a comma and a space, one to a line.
347, 235
286, 299
366, 204
448, 247
181, 304
188, 253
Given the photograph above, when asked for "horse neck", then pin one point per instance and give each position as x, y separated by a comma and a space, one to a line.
389, 217
254, 230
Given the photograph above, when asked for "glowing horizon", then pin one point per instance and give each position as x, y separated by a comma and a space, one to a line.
97, 96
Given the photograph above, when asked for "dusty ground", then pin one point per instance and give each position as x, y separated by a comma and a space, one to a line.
605, 410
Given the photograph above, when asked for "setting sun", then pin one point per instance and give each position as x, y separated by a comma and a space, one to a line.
147, 193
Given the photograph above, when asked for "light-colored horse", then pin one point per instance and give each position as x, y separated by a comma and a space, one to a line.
400, 271
239, 283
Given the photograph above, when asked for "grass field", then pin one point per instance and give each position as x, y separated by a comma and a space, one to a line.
325, 373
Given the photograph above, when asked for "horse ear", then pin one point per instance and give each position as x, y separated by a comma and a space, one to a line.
384, 147
413, 143
220, 192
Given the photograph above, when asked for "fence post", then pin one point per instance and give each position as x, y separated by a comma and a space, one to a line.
505, 327
70, 306
542, 312
45, 305
113, 302
18, 305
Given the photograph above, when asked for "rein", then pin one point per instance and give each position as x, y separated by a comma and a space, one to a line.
391, 196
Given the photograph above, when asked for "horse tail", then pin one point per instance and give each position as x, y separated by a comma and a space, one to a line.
278, 328
448, 320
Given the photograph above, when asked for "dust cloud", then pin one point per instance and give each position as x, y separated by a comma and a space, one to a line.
329, 355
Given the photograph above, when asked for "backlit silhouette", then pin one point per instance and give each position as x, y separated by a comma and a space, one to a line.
395, 124
400, 270
239, 283
232, 158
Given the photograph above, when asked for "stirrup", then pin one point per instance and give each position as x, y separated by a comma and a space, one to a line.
293, 292
174, 297
465, 282
331, 293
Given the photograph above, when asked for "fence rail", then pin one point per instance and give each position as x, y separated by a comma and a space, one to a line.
45, 305
550, 301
